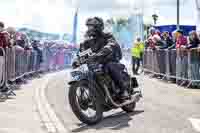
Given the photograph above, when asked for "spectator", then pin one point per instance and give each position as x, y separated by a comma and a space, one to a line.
174, 39
181, 59
12, 35
4, 36
154, 39
193, 40
4, 43
181, 40
167, 40
137, 51
158, 32
23, 41
35, 45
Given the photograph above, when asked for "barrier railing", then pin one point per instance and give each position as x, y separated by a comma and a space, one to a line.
2, 65
15, 62
182, 65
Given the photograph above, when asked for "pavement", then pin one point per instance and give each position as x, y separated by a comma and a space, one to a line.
41, 106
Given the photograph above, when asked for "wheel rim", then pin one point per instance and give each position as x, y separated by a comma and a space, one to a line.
85, 102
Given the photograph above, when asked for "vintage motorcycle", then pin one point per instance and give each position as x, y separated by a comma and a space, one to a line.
92, 91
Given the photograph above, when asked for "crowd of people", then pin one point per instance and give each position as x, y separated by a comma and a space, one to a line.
51, 55
174, 40
182, 60
182, 56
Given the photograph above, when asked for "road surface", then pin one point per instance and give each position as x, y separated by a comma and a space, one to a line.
165, 108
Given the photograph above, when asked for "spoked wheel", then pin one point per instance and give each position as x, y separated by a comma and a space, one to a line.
85, 103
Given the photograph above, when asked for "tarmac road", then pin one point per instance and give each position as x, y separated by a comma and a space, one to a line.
165, 108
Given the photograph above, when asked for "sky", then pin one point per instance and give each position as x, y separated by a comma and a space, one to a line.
56, 16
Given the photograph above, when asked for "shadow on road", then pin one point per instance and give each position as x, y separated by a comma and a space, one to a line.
116, 121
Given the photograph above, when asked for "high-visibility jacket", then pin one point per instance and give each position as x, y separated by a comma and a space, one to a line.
137, 49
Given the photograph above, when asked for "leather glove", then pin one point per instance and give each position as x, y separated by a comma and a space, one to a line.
75, 64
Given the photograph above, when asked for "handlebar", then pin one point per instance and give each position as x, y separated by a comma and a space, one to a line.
85, 56
87, 52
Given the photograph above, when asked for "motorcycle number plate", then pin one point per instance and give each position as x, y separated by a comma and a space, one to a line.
75, 75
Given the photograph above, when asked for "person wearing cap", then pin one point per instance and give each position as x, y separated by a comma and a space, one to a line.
154, 38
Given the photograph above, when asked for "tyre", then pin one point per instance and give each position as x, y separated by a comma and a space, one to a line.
84, 100
129, 108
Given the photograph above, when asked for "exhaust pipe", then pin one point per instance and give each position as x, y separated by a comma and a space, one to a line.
134, 98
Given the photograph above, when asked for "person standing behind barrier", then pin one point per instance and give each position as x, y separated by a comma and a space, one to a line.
4, 36
167, 40
11, 52
154, 39
35, 45
12, 35
4, 43
136, 52
194, 41
181, 59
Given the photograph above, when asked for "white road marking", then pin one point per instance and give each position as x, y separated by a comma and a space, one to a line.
195, 123
12, 130
48, 116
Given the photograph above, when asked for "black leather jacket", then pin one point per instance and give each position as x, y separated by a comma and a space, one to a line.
105, 47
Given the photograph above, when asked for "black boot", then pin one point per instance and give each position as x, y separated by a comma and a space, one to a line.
124, 95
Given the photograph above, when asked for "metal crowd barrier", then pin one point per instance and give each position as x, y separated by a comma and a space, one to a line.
16, 62
182, 65
3, 67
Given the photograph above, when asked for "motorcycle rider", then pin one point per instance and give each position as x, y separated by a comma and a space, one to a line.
107, 52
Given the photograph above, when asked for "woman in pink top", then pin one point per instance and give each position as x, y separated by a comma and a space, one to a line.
181, 58
181, 43
181, 40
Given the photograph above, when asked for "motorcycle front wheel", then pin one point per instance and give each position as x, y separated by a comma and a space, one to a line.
85, 103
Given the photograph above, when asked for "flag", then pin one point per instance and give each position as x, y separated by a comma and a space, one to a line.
74, 34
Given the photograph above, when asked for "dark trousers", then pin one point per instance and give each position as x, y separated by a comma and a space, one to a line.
136, 64
116, 71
